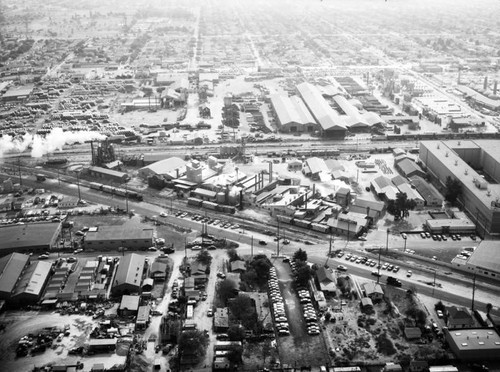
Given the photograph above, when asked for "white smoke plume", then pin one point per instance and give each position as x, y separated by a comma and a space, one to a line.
41, 145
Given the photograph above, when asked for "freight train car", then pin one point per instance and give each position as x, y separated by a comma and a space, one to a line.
320, 227
303, 223
210, 205
195, 202
96, 186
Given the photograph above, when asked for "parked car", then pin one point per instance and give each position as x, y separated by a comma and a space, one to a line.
262, 242
409, 273
341, 268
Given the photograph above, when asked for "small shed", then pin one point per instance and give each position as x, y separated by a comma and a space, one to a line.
238, 266
412, 333
129, 305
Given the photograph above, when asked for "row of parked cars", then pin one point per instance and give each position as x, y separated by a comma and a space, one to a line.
310, 316
278, 306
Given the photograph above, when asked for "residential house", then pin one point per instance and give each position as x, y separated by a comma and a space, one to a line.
374, 291
326, 280
459, 317
238, 266
412, 333
129, 306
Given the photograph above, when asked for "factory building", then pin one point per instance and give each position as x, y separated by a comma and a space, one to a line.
170, 168
292, 115
29, 238
21, 281
108, 174
115, 237
472, 163
128, 277
484, 260
332, 125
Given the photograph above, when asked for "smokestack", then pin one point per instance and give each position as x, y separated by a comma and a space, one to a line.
495, 86
485, 85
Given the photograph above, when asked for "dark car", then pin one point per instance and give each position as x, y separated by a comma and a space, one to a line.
262, 242
376, 273
394, 281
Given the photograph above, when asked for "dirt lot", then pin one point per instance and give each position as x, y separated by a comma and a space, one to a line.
20, 323
361, 338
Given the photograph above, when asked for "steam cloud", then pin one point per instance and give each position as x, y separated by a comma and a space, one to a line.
55, 140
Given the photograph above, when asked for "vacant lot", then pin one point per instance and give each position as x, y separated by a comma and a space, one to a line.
379, 337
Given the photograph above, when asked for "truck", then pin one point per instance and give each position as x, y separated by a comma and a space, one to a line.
394, 281
40, 177
189, 312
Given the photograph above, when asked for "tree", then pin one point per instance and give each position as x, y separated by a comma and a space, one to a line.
233, 255
400, 207
300, 255
261, 265
453, 189
226, 289
303, 275
194, 342
236, 333
243, 309
204, 257
489, 307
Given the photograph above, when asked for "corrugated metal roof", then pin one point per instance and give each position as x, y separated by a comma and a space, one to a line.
319, 107
130, 270
11, 267
33, 280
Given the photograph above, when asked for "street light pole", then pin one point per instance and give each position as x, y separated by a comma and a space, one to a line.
378, 267
405, 238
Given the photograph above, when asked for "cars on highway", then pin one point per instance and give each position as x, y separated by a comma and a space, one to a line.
262, 242
341, 268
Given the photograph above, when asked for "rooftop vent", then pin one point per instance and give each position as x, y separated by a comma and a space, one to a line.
488, 193
459, 143
447, 154
456, 162
466, 172
438, 146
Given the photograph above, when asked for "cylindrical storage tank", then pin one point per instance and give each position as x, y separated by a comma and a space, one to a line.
220, 198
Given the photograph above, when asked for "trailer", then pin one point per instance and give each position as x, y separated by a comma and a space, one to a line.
40, 177
96, 186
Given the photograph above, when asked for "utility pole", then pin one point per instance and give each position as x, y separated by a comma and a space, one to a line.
387, 241
473, 289
330, 248
278, 241
19, 171
251, 248
378, 266
78, 184
126, 196
59, 176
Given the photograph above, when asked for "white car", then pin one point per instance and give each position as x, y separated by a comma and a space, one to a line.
163, 214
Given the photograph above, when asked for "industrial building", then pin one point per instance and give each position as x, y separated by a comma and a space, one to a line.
292, 115
22, 282
108, 174
472, 163
474, 344
332, 125
128, 277
170, 168
30, 238
484, 260
115, 237
31, 283
11, 268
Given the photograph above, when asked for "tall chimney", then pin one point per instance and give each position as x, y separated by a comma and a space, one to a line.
485, 85
495, 86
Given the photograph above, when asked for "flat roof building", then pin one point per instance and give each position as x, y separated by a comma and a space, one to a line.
31, 237
474, 344
484, 261
114, 237
459, 160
